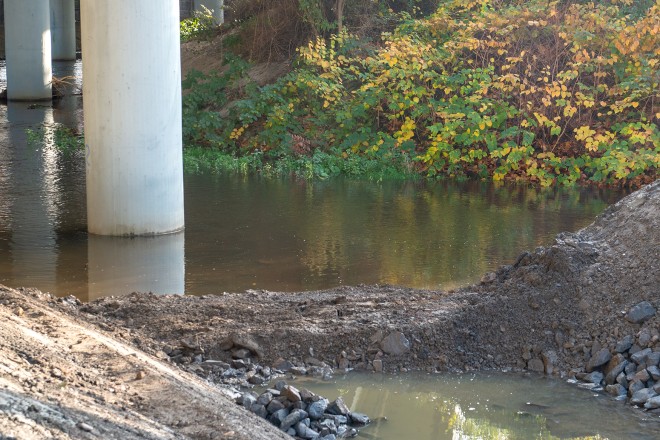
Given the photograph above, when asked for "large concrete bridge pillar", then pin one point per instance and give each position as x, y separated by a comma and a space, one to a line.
27, 49
132, 110
63, 29
216, 6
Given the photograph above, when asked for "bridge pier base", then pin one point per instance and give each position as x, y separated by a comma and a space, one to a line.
63, 29
132, 110
28, 51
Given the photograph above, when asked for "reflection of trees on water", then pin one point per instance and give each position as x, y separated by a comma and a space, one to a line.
424, 235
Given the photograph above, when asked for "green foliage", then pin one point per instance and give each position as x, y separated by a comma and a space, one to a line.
64, 139
199, 27
552, 93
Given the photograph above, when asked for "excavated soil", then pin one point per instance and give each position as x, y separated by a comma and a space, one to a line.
66, 367
568, 298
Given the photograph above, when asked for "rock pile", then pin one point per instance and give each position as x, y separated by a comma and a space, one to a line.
630, 370
303, 414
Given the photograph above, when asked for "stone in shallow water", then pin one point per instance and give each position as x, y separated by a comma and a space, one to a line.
652, 403
593, 377
338, 407
616, 390
640, 397
615, 367
602, 357
640, 312
536, 365
359, 418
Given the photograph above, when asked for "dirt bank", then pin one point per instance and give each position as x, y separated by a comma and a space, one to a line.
568, 298
63, 378
66, 367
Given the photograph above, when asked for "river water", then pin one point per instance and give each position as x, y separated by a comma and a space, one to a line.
290, 235
484, 406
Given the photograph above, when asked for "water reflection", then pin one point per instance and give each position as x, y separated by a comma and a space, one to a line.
483, 406
118, 265
249, 232
31, 209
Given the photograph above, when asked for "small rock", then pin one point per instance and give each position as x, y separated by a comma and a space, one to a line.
616, 390
84, 427
640, 312
248, 399
259, 410
256, 379
274, 406
316, 409
139, 375
240, 353
305, 431
395, 344
624, 344
338, 407
593, 377
653, 359
634, 387
296, 416
359, 418
282, 365
535, 365
640, 397
550, 359
640, 356
652, 403
602, 357
265, 398
291, 393
378, 365
654, 371
614, 367
278, 416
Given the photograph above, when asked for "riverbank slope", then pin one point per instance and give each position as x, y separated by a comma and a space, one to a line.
72, 370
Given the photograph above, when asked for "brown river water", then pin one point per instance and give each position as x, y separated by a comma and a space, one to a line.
249, 232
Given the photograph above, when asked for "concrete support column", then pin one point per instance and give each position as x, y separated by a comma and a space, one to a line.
215, 6
63, 29
132, 112
27, 49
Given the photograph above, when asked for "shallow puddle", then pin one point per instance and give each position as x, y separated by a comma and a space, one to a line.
483, 407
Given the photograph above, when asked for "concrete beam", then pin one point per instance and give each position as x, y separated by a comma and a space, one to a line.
27, 49
132, 111
63, 29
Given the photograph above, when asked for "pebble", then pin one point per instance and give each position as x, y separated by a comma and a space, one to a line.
640, 312
84, 426
395, 344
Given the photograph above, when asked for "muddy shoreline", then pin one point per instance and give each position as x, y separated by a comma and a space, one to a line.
554, 311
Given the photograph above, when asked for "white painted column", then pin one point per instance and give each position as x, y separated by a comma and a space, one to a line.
215, 6
63, 29
132, 110
27, 49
